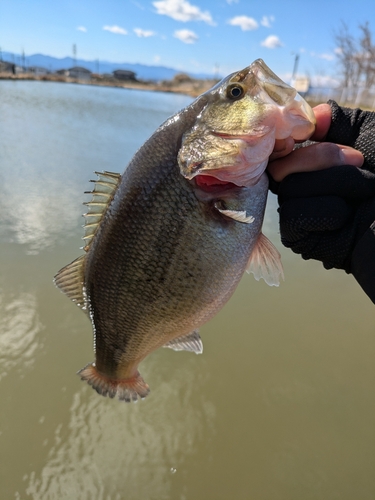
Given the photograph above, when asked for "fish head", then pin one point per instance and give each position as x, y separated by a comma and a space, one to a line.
234, 134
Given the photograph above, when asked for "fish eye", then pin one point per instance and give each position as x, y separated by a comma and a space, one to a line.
235, 91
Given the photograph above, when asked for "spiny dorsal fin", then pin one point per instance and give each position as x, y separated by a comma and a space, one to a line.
70, 280
102, 194
191, 342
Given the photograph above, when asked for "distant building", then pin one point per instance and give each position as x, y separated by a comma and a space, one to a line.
19, 69
301, 84
124, 74
37, 70
7, 67
79, 73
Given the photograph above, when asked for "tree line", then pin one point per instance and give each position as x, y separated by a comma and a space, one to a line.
356, 56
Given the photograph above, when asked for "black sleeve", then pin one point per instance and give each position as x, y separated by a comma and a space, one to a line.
363, 262
356, 128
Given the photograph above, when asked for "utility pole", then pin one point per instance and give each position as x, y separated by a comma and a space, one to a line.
74, 54
295, 67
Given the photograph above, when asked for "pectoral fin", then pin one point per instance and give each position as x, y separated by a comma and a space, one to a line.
191, 342
265, 262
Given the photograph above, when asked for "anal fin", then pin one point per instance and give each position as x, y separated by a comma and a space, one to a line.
265, 262
191, 342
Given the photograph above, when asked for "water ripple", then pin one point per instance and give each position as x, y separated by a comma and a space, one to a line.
19, 331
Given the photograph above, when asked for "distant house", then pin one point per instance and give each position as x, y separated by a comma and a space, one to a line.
19, 69
301, 84
7, 67
124, 74
38, 70
79, 73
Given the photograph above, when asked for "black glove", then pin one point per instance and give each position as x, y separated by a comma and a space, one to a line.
329, 215
355, 128
323, 214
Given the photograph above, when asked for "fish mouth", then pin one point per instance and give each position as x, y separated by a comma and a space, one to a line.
232, 176
210, 184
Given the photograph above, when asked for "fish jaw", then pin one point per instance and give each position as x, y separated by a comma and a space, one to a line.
243, 161
233, 138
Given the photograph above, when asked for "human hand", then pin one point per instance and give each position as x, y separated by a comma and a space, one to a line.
318, 156
327, 208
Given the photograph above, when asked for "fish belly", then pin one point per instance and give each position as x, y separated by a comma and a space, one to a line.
163, 263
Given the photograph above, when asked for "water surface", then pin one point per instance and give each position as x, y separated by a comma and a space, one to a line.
280, 406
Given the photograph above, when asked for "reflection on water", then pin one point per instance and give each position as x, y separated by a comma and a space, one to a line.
280, 405
129, 451
52, 139
36, 216
19, 332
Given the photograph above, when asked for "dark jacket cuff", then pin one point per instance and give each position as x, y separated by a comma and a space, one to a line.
363, 262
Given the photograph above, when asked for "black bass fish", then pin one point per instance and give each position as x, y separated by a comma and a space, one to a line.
167, 242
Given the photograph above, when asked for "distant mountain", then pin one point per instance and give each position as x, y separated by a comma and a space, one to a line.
142, 71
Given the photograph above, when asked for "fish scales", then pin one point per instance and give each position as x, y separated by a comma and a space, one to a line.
169, 240
175, 254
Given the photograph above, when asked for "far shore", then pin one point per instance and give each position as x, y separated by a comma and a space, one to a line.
181, 83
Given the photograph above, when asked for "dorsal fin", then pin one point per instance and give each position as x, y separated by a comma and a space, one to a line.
70, 280
102, 194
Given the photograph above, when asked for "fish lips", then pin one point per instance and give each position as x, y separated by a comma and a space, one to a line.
225, 178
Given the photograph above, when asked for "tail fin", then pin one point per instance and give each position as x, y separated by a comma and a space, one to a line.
125, 389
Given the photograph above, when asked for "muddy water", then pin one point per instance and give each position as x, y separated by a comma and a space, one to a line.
281, 405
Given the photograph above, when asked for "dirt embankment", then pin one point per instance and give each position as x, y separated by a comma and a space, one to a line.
181, 83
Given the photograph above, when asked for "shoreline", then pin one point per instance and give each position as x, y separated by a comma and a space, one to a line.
181, 84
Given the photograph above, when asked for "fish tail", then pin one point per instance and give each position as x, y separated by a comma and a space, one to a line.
127, 390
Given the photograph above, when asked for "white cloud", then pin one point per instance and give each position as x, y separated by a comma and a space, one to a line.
157, 58
272, 42
327, 57
186, 36
143, 33
267, 21
232, 1
115, 29
138, 5
244, 22
324, 81
82, 28
181, 10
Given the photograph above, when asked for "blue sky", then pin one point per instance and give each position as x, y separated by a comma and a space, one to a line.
195, 35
